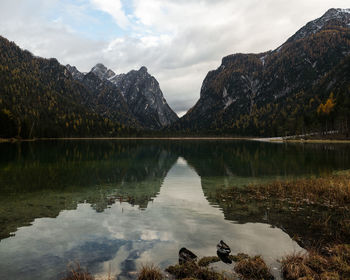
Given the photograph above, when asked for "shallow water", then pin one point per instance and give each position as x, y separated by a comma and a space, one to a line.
114, 205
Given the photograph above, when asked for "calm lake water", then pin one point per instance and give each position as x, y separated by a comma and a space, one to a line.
114, 205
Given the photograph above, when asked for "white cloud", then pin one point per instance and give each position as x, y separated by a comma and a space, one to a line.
115, 9
178, 40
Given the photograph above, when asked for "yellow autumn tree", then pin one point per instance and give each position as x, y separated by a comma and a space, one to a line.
327, 108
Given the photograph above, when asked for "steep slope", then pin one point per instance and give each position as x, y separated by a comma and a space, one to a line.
106, 99
248, 91
136, 92
40, 98
142, 94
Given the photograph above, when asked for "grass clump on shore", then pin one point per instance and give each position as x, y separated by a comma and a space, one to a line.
334, 264
205, 261
245, 267
78, 273
253, 268
191, 270
150, 272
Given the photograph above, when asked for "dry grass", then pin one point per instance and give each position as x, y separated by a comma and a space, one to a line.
150, 272
246, 267
191, 270
78, 273
294, 267
315, 211
334, 265
330, 191
253, 268
205, 261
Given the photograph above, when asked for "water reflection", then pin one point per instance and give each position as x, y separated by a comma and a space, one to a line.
115, 205
122, 237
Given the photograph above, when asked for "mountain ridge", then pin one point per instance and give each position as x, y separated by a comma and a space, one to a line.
140, 91
301, 86
233, 95
40, 98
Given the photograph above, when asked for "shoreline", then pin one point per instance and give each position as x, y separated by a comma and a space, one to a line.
318, 141
267, 139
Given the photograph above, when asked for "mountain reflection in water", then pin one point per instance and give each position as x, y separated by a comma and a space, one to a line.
117, 204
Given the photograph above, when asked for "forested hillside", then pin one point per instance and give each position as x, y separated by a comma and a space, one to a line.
301, 87
39, 98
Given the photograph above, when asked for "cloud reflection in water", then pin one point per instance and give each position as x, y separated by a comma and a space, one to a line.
122, 237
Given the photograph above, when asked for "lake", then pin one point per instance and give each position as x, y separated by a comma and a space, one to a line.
113, 205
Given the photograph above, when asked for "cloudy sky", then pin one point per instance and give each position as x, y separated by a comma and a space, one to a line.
178, 40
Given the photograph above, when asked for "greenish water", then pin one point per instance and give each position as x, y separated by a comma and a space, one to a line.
114, 205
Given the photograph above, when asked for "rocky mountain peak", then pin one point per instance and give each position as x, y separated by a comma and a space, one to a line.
99, 67
341, 15
335, 13
76, 74
137, 89
145, 98
143, 70
338, 17
102, 71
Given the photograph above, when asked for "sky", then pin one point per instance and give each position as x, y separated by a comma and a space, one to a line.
179, 41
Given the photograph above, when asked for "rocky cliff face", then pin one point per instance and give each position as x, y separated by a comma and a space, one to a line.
137, 89
75, 72
246, 83
145, 98
107, 101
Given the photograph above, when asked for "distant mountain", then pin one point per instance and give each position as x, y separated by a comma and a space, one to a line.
301, 87
142, 94
279, 92
40, 98
105, 100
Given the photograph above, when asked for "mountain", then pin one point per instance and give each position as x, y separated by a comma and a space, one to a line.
40, 98
105, 100
102, 72
301, 87
142, 94
279, 92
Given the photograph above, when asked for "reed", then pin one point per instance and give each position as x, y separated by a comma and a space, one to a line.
150, 272
76, 272
334, 263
